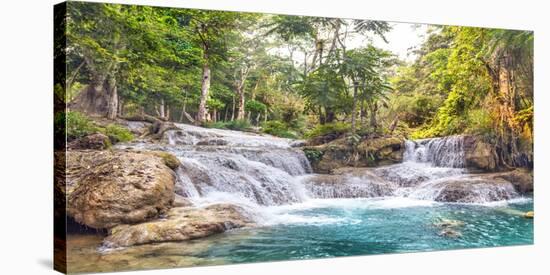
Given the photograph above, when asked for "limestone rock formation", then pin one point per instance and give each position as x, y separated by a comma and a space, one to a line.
370, 153
180, 224
480, 155
107, 188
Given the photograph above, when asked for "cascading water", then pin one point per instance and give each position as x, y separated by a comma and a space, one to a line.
302, 215
440, 152
260, 171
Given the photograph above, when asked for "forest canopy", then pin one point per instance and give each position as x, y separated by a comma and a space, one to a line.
296, 76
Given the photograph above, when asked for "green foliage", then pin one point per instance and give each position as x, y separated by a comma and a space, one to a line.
329, 128
479, 121
237, 125
313, 155
278, 128
77, 124
215, 104
117, 133
255, 106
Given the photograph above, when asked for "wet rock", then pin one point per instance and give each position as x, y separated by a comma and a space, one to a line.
181, 201
298, 143
369, 153
522, 179
529, 215
446, 223
480, 155
107, 188
473, 190
383, 151
450, 233
95, 141
180, 224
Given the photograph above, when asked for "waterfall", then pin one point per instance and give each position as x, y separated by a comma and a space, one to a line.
259, 171
440, 152
366, 185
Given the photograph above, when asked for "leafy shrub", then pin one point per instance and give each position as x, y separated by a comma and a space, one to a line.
217, 125
278, 128
238, 125
479, 122
255, 106
77, 124
313, 155
329, 128
117, 133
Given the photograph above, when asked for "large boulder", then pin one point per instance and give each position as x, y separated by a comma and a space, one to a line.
479, 154
107, 188
369, 153
180, 224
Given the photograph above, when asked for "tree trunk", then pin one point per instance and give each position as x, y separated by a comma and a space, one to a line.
183, 111
330, 115
240, 94
162, 113
113, 99
354, 107
120, 107
214, 115
321, 116
373, 110
202, 115
233, 108
258, 118
362, 112
226, 113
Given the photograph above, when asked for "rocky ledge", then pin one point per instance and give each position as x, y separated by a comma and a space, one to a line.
180, 224
132, 195
340, 153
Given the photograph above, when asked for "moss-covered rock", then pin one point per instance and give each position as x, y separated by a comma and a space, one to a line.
368, 153
170, 160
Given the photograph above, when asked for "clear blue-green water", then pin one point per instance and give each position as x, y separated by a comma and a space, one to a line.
359, 227
324, 228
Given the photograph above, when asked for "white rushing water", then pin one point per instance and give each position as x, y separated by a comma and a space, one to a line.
269, 177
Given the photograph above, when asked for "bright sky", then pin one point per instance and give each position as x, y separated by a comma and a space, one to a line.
402, 38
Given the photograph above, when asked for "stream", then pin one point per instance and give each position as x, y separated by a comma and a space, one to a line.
302, 215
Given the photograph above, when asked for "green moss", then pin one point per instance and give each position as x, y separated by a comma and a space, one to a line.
170, 160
